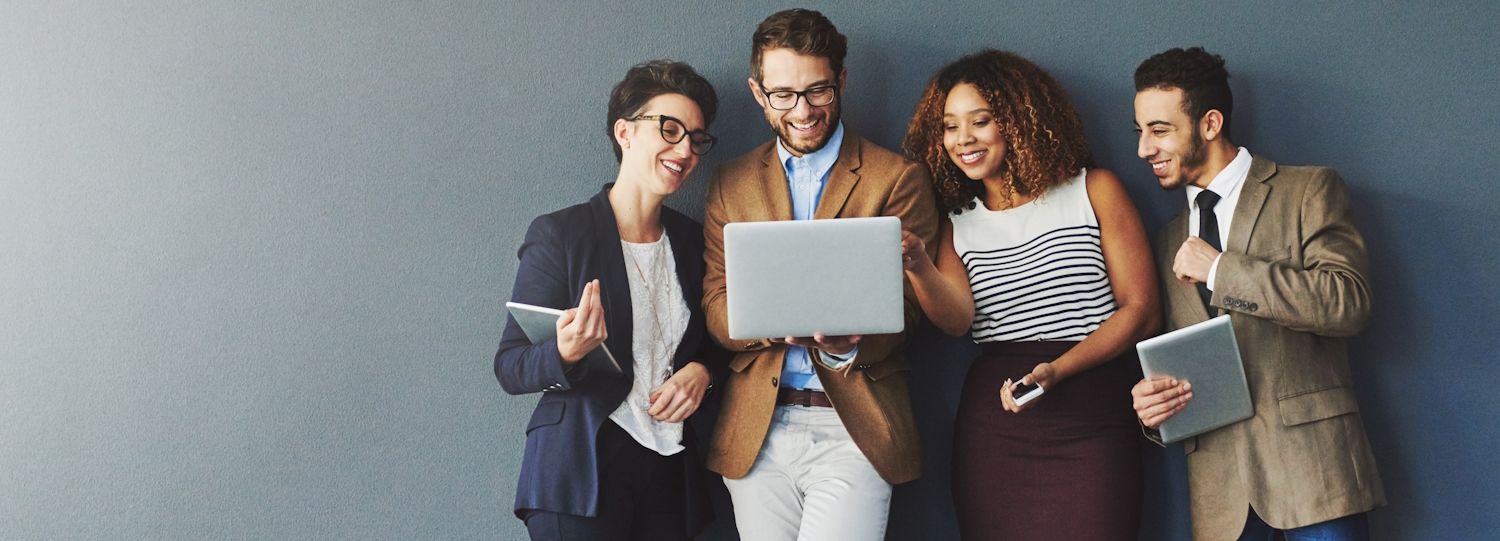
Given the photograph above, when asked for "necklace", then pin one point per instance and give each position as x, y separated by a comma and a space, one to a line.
658, 345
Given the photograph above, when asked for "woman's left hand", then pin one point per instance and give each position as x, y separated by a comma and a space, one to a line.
681, 395
1042, 375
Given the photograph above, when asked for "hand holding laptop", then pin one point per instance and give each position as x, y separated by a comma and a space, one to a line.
837, 345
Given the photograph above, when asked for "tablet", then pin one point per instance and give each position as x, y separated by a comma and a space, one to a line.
540, 325
1206, 355
838, 276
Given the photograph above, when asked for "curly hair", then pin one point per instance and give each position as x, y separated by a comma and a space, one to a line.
1036, 118
651, 79
1201, 76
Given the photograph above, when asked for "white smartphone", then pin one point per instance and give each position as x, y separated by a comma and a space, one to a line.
1024, 393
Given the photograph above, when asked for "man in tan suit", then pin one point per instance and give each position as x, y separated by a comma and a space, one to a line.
813, 430
1291, 275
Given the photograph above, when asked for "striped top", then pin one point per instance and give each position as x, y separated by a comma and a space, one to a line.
1037, 270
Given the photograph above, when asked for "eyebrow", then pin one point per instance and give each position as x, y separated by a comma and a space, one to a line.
823, 82
971, 112
1156, 123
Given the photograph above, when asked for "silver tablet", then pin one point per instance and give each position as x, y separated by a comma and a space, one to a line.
1206, 355
540, 324
796, 278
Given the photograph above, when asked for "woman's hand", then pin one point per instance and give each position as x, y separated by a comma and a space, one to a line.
913, 252
1043, 375
581, 329
681, 395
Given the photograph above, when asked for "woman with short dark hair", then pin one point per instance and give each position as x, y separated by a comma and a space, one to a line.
610, 456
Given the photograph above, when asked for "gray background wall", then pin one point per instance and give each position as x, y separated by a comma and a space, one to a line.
253, 254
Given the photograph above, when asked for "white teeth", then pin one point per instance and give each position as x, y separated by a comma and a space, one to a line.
674, 167
806, 126
971, 157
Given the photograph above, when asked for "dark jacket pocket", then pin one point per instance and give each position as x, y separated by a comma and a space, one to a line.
1317, 405
548, 413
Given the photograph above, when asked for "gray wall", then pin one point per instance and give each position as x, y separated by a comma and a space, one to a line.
252, 254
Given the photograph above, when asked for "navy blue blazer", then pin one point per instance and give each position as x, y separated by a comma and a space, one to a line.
562, 252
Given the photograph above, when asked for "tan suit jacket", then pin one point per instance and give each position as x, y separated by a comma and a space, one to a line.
871, 395
1292, 278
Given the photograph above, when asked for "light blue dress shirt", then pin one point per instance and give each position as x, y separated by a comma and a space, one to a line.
806, 176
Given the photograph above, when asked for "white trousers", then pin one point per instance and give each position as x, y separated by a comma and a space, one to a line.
810, 483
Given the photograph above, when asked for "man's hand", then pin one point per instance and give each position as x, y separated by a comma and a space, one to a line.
1158, 399
680, 395
837, 345
581, 329
1194, 259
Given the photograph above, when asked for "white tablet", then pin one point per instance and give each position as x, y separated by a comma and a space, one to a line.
796, 278
1206, 355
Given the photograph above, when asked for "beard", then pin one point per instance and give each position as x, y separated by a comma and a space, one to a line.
828, 120
1190, 162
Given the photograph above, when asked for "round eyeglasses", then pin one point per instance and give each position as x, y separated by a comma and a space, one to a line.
672, 131
786, 100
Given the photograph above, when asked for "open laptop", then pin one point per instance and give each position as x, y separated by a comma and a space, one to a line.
796, 278
1206, 355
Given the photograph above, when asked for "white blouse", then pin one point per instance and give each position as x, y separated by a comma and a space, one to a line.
660, 318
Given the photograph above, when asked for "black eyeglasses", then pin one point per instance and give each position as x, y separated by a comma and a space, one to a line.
672, 131
786, 100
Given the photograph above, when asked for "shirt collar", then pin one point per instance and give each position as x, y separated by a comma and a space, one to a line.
1228, 180
820, 160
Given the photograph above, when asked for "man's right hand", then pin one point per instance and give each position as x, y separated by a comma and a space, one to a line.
1158, 399
581, 329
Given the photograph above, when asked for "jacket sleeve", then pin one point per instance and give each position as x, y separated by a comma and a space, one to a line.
541, 280
1328, 293
715, 294
912, 201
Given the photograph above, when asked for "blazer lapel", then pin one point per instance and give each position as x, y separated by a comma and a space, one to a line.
841, 179
775, 193
1253, 196
1181, 293
614, 283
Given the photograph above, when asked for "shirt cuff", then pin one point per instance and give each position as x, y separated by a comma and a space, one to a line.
1213, 271
835, 362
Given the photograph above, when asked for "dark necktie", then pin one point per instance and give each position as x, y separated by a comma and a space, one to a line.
1208, 230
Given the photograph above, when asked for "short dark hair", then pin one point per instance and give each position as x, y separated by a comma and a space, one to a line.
802, 30
1201, 76
648, 80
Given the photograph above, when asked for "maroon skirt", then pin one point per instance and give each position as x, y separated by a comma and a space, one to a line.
1067, 468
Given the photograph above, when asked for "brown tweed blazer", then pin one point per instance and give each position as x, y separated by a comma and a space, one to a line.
1292, 278
871, 396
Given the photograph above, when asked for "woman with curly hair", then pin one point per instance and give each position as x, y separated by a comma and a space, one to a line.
1045, 263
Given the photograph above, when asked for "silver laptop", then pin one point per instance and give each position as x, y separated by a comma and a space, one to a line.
1206, 355
796, 278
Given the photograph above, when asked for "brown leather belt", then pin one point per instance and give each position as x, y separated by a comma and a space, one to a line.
800, 397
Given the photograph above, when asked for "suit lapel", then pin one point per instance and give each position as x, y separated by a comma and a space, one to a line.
775, 193
614, 283
1253, 194
841, 179
1180, 293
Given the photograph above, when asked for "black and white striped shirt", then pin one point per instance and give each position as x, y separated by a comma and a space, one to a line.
1037, 270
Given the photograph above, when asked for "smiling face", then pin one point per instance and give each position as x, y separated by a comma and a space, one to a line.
803, 128
971, 134
646, 155
1169, 139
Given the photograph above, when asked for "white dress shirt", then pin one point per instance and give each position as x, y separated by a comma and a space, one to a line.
1227, 184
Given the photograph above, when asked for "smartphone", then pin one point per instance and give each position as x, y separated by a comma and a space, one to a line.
1025, 393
